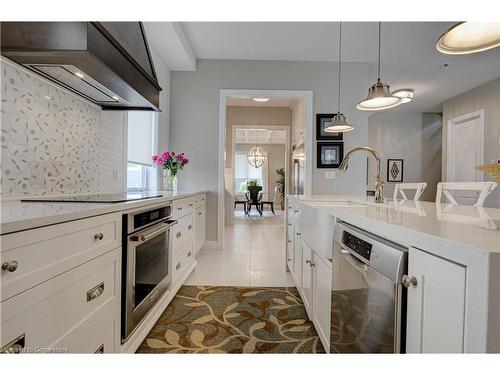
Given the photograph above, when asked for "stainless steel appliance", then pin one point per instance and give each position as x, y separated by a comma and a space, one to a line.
146, 262
368, 312
97, 198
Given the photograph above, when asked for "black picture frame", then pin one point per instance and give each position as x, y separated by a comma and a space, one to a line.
322, 121
322, 161
390, 176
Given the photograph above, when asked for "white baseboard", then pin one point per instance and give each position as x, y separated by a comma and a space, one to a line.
149, 321
210, 245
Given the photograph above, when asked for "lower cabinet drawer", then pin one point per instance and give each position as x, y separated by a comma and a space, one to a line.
183, 231
103, 338
183, 257
53, 315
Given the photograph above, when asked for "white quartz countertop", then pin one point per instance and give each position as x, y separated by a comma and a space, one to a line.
461, 233
17, 216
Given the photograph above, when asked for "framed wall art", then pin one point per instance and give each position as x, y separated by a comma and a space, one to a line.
329, 154
394, 170
323, 121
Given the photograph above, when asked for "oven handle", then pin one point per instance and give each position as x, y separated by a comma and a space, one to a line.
357, 264
146, 237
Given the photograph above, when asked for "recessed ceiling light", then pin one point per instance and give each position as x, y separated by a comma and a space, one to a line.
115, 97
47, 97
80, 75
406, 95
469, 37
260, 100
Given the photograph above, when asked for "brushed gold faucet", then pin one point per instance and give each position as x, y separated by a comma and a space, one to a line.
379, 181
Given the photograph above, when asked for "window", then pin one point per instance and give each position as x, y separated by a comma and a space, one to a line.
244, 172
141, 144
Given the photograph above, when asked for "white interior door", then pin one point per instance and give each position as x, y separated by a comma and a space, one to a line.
465, 151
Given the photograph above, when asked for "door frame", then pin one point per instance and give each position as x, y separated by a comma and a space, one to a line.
450, 130
306, 95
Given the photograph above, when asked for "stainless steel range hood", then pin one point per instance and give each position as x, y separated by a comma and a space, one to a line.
108, 63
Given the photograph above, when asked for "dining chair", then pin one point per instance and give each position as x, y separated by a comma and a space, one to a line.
482, 188
419, 188
271, 201
254, 200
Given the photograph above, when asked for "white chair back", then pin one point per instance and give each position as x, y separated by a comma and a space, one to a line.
483, 188
419, 188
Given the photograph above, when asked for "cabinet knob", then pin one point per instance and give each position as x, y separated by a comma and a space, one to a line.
190, 226
298, 234
10, 266
408, 281
308, 261
98, 236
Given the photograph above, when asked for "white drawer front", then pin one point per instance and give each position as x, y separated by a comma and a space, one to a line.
183, 231
102, 338
46, 252
54, 314
183, 207
200, 200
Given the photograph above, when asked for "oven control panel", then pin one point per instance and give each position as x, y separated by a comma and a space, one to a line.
152, 216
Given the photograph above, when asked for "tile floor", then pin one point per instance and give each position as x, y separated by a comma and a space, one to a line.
254, 255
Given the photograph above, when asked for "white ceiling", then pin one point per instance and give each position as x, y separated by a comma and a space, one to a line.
248, 102
409, 56
263, 136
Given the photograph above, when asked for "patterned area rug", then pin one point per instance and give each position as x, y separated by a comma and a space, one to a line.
213, 319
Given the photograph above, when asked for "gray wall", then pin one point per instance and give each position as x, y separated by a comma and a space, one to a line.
413, 137
195, 116
487, 97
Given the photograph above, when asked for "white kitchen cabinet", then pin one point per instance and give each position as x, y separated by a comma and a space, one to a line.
290, 246
307, 277
321, 298
200, 227
436, 304
297, 257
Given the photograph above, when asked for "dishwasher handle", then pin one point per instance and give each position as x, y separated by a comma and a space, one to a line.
353, 261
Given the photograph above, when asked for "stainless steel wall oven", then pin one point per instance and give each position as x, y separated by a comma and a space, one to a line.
146, 269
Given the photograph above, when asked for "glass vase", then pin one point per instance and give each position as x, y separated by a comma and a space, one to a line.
169, 181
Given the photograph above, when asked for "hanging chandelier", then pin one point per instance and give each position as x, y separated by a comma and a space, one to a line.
257, 156
339, 123
379, 95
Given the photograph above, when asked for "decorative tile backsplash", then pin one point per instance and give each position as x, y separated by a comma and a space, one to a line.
49, 138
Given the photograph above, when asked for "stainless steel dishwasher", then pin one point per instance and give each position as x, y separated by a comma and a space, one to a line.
368, 312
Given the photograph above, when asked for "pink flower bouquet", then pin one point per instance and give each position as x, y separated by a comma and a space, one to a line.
170, 161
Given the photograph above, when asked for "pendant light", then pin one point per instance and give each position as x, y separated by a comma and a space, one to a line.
379, 95
257, 156
469, 37
339, 123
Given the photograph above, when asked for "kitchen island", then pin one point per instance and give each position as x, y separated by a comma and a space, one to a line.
454, 258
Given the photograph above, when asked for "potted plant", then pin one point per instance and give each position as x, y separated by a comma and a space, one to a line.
281, 186
171, 164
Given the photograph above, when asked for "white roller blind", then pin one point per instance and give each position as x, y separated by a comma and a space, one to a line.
140, 137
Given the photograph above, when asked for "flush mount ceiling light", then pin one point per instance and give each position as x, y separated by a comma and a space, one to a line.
80, 75
379, 95
469, 37
260, 100
257, 156
406, 95
339, 123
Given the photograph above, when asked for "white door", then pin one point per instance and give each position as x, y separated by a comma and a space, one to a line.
307, 277
322, 287
465, 151
436, 305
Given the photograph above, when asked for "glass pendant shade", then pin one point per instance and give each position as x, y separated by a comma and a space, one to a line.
257, 156
379, 98
339, 125
469, 37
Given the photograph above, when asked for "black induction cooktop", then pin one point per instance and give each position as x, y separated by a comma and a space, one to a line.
97, 198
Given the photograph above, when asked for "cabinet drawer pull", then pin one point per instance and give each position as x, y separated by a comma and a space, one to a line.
308, 261
190, 205
296, 211
179, 208
289, 259
178, 234
312, 264
16, 346
98, 236
200, 213
189, 253
178, 265
408, 281
298, 234
190, 226
289, 241
10, 266
95, 292
289, 224
100, 350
